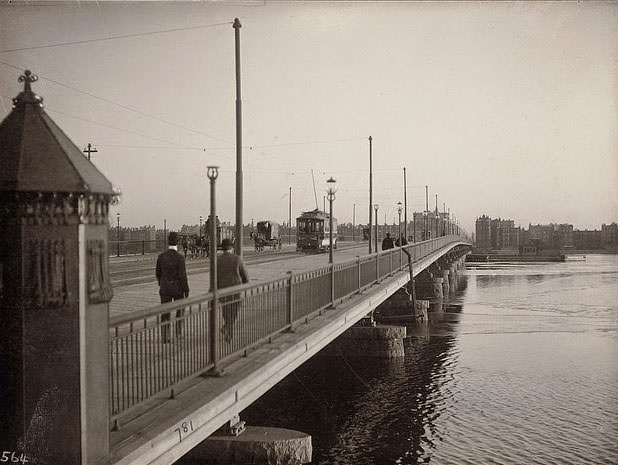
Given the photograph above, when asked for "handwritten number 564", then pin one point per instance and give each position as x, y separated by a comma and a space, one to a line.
11, 456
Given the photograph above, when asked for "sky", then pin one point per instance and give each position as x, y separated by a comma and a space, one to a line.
508, 109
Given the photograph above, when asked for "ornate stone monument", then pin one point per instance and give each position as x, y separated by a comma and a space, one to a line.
54, 291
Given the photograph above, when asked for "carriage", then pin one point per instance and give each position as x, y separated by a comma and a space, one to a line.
224, 231
313, 231
266, 235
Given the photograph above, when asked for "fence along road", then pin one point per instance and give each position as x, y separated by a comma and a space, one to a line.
143, 369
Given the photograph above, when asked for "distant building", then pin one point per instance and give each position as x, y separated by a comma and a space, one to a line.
483, 232
587, 239
496, 233
609, 236
559, 236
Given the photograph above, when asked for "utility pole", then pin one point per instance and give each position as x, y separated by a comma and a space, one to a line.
239, 225
405, 205
437, 217
370, 191
354, 222
89, 150
443, 219
290, 218
426, 212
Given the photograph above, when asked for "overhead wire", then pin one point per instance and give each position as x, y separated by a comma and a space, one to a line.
126, 107
122, 36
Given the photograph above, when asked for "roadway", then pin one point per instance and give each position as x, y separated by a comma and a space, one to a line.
135, 287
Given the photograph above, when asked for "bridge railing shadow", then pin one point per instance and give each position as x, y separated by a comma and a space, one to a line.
154, 351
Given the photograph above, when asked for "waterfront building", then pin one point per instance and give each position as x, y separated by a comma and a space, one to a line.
609, 236
587, 239
483, 232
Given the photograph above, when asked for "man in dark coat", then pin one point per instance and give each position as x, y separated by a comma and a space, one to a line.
231, 271
172, 277
387, 243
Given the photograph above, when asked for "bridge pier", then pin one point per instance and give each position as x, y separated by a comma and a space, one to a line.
383, 341
429, 286
445, 282
258, 445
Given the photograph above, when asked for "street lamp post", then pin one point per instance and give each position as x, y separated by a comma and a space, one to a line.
376, 207
330, 190
213, 172
201, 218
118, 234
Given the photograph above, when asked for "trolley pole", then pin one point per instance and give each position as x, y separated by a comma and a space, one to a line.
239, 225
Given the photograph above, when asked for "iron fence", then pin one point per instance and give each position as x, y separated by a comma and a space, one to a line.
153, 351
135, 247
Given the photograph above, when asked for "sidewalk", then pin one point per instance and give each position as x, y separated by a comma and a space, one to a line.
139, 296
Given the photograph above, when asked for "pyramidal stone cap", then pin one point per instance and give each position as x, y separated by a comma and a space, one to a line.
37, 156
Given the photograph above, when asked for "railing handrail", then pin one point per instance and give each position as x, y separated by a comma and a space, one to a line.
137, 315
147, 359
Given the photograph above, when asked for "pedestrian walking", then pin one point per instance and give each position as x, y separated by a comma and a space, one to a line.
231, 271
185, 245
172, 277
387, 243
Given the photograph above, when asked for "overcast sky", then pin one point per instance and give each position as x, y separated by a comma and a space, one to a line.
504, 109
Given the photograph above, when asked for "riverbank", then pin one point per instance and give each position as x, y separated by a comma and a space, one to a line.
476, 258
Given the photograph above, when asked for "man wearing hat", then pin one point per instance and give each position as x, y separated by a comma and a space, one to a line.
231, 271
172, 277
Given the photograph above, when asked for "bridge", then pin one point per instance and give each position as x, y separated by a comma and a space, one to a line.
81, 386
166, 398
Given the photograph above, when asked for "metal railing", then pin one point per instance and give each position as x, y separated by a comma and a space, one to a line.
202, 334
134, 247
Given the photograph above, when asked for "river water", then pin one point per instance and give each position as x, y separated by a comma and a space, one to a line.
519, 366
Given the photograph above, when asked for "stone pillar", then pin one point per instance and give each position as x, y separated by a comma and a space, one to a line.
378, 341
453, 275
429, 286
54, 292
259, 445
445, 282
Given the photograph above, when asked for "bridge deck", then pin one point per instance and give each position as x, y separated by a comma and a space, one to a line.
164, 429
268, 266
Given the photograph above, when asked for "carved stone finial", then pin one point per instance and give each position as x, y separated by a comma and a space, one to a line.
27, 78
27, 96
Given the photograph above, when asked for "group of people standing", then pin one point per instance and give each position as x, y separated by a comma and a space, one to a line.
388, 243
171, 275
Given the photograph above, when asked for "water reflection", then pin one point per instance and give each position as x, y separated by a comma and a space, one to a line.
373, 411
517, 366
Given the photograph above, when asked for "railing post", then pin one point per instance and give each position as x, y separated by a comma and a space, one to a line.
377, 267
290, 301
332, 285
390, 258
358, 268
143, 247
214, 335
